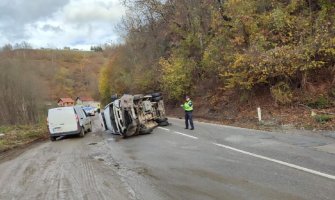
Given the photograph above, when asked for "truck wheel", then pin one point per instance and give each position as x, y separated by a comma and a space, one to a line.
159, 120
164, 123
52, 138
157, 98
145, 131
82, 132
138, 97
114, 97
156, 94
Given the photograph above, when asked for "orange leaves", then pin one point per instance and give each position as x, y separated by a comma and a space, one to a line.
238, 40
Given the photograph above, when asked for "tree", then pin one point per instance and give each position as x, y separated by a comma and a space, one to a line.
23, 45
7, 47
20, 93
96, 48
104, 85
64, 82
178, 46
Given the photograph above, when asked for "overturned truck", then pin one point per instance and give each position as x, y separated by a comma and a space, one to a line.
132, 115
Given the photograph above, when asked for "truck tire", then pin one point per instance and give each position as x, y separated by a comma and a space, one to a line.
156, 99
164, 123
156, 94
145, 131
52, 138
159, 120
114, 97
138, 97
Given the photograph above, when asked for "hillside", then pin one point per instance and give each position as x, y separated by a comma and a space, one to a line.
231, 57
30, 78
63, 72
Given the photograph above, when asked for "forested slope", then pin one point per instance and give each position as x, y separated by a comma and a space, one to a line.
230, 56
31, 79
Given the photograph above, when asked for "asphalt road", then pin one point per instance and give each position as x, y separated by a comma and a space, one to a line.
211, 162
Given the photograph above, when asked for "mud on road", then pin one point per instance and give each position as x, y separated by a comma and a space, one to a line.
70, 168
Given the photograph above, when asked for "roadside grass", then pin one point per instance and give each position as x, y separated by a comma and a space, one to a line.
18, 135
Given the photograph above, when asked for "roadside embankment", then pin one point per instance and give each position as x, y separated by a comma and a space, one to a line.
12, 136
273, 117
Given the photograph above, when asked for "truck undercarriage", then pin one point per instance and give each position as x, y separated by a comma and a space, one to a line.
132, 115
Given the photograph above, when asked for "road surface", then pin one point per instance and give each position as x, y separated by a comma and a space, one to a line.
211, 162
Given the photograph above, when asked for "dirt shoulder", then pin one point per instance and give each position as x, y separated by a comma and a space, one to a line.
72, 167
295, 119
21, 136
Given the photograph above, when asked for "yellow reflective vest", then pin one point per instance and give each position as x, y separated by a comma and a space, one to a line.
188, 106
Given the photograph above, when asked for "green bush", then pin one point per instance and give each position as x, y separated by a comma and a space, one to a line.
282, 93
320, 103
177, 76
21, 134
4, 129
323, 118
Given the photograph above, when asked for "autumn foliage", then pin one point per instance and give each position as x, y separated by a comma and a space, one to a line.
33, 80
202, 47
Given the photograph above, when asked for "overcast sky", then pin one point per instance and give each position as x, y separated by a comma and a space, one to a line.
59, 23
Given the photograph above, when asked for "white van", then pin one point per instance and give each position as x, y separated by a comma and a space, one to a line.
68, 121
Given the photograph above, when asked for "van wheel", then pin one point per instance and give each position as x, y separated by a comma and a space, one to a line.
82, 132
52, 138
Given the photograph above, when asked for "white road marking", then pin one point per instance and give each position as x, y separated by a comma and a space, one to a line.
222, 125
190, 136
165, 129
279, 162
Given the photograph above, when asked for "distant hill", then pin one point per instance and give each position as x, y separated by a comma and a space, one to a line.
64, 73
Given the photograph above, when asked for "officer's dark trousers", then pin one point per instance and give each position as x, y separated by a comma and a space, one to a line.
188, 118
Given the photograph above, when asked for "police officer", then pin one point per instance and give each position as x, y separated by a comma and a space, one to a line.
188, 107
